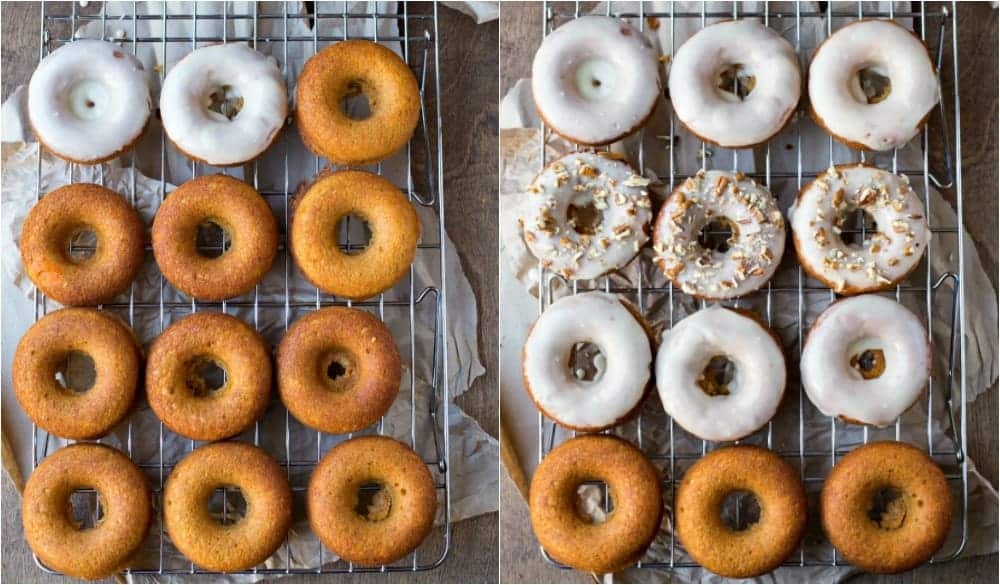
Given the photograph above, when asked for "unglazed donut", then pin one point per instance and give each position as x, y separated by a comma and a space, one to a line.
88, 101
755, 247
881, 261
701, 85
557, 223
205, 78
866, 360
546, 363
62, 215
839, 104
700, 399
595, 80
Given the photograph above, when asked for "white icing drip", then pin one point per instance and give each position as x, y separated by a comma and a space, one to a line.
858, 323
597, 318
755, 392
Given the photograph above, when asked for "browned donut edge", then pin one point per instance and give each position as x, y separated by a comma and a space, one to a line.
635, 128
128, 146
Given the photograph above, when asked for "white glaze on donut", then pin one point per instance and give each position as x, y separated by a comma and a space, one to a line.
239, 72
886, 256
601, 319
836, 97
595, 79
578, 180
755, 248
848, 327
754, 392
719, 116
89, 100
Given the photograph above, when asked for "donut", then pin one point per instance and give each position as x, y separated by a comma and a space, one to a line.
910, 528
569, 536
398, 519
344, 70
201, 537
54, 535
338, 370
705, 69
621, 377
224, 104
45, 351
763, 545
888, 254
88, 101
184, 400
751, 254
894, 114
62, 216
595, 80
394, 225
235, 207
708, 397
866, 360
586, 215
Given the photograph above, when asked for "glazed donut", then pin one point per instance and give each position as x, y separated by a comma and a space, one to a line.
698, 396
395, 526
44, 352
621, 381
586, 215
595, 80
53, 534
346, 69
363, 352
838, 102
184, 400
60, 217
754, 249
706, 66
866, 360
633, 484
395, 230
203, 538
760, 547
909, 529
881, 261
234, 206
224, 104
88, 101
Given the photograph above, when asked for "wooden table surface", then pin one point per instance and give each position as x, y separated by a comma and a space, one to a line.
520, 26
469, 97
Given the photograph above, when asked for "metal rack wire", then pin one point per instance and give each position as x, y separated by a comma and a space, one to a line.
418, 41
673, 459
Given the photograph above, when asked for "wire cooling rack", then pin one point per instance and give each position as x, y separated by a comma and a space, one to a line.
418, 39
812, 458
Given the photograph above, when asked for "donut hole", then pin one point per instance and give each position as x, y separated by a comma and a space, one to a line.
374, 502
77, 372
339, 369
888, 508
594, 502
856, 226
595, 79
205, 376
585, 219
717, 377
719, 235
355, 234
227, 505
225, 101
739, 510
87, 99
212, 240
81, 245
873, 85
84, 508
587, 362
735, 81
356, 103
870, 363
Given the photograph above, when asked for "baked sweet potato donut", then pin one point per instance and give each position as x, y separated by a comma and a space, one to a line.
396, 523
62, 216
44, 351
233, 206
205, 540
346, 69
53, 534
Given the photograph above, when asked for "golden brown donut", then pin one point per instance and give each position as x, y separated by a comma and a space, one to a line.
181, 398
236, 208
760, 547
394, 225
204, 539
53, 534
43, 352
367, 361
911, 528
619, 541
400, 524
64, 214
346, 69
